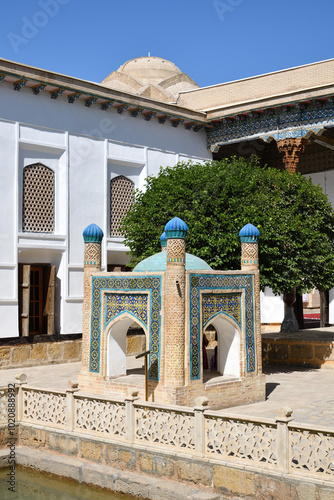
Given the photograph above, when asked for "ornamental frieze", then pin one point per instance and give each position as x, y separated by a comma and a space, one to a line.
295, 121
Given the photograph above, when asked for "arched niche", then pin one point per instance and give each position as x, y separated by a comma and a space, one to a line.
228, 349
116, 344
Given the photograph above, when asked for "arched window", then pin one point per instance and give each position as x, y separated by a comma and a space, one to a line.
38, 204
121, 199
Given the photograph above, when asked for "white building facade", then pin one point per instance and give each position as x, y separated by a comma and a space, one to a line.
69, 160
73, 152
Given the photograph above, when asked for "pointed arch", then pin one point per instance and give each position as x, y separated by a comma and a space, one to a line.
121, 199
116, 343
228, 349
38, 199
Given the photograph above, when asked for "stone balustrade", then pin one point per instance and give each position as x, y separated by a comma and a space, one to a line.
268, 444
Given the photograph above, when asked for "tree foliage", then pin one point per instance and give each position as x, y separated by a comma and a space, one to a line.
216, 199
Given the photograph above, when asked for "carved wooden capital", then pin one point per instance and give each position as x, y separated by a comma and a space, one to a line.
291, 149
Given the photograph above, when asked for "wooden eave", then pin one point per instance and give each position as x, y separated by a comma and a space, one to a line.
81, 90
244, 109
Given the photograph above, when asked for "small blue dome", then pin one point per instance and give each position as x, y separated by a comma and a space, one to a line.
92, 233
249, 233
176, 228
163, 239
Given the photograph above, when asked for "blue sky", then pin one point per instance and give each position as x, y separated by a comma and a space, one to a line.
213, 41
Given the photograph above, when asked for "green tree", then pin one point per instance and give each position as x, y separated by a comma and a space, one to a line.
216, 199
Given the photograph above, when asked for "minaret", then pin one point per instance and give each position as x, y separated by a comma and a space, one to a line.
163, 242
249, 237
92, 236
176, 231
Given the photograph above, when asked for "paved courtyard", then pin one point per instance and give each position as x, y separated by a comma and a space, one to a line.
308, 392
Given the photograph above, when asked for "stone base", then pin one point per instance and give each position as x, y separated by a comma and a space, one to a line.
310, 348
110, 478
154, 474
222, 392
45, 352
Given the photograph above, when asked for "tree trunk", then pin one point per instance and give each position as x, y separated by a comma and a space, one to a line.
324, 308
298, 309
289, 323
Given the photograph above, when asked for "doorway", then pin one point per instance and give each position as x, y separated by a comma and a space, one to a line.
37, 299
224, 347
118, 362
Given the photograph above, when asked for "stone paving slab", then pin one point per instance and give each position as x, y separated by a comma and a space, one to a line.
46, 376
309, 392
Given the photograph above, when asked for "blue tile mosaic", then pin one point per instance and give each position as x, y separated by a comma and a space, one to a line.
214, 303
198, 282
119, 285
135, 304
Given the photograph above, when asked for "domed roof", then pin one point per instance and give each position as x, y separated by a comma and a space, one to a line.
92, 233
249, 233
176, 228
158, 262
150, 69
149, 76
163, 239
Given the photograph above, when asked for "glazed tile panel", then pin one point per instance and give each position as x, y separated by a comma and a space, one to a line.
215, 303
132, 302
228, 303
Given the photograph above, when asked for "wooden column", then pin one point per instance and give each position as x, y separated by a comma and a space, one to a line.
292, 150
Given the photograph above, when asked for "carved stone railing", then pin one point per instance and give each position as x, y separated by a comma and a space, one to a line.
166, 427
268, 444
43, 407
245, 439
96, 415
3, 405
312, 450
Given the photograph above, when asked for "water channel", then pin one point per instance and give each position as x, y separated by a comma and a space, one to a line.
35, 485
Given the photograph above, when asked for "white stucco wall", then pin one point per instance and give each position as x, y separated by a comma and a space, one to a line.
86, 148
272, 307
326, 181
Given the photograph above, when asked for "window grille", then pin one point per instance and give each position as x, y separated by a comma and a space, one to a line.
38, 199
121, 199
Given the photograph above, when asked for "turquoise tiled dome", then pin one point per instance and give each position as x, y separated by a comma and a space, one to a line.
249, 233
92, 233
176, 228
158, 262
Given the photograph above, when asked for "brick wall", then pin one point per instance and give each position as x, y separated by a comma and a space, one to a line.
309, 352
279, 83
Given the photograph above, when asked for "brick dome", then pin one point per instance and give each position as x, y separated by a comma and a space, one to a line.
153, 77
